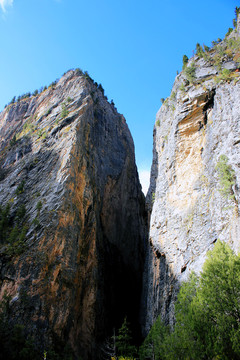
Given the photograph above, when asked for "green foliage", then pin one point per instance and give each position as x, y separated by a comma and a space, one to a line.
13, 100
229, 31
14, 344
206, 48
224, 75
36, 222
207, 314
78, 71
226, 176
13, 229
190, 72
28, 127
185, 61
153, 197
233, 44
162, 100
39, 206
154, 346
158, 122
64, 112
173, 95
13, 140
87, 76
20, 188
237, 11
220, 49
101, 88
182, 87
17, 240
53, 84
4, 223
216, 42
199, 50
124, 345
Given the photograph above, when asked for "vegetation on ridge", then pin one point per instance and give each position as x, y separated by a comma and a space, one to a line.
220, 52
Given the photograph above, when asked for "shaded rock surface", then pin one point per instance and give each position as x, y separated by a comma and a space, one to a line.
196, 125
67, 156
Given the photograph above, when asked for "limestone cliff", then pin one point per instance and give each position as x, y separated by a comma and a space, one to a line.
195, 177
69, 188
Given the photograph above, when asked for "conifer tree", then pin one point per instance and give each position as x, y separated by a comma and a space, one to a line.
124, 341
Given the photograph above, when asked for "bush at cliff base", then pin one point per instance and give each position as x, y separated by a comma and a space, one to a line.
207, 314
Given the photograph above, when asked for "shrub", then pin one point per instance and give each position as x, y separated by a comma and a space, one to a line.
39, 206
225, 75
182, 87
101, 88
229, 31
21, 212
13, 100
4, 222
237, 11
13, 140
13, 229
64, 112
190, 72
185, 61
206, 48
226, 176
153, 346
78, 71
20, 188
199, 50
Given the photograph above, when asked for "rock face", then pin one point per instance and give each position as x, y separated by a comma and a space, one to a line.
73, 268
195, 176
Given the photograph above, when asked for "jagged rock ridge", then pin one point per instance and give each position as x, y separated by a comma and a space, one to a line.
67, 160
196, 133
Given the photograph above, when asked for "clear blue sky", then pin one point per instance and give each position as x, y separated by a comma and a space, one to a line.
133, 48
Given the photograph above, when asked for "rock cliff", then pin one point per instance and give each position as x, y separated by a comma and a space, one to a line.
195, 177
73, 224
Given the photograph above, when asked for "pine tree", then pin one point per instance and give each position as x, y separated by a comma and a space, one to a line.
185, 61
124, 341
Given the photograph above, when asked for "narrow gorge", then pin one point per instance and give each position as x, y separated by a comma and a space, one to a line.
80, 246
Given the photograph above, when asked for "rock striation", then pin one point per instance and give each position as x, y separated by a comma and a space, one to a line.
195, 177
69, 187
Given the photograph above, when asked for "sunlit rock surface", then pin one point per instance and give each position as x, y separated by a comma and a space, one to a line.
68, 157
197, 124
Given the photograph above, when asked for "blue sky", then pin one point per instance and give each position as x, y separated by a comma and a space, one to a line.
133, 48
